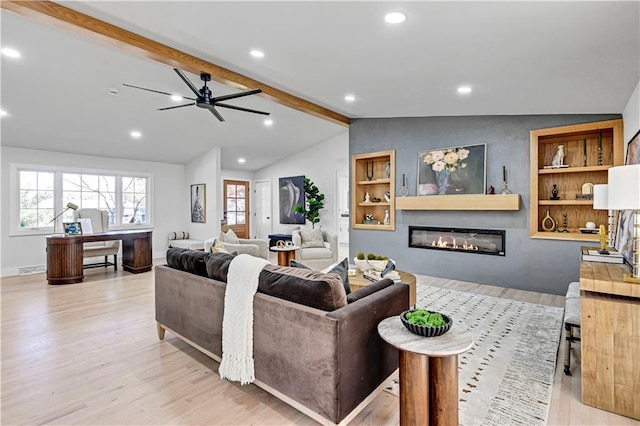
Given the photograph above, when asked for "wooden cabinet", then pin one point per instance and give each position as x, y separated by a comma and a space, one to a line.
373, 174
609, 346
589, 150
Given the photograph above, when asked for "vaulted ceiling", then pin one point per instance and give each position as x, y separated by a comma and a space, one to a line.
518, 58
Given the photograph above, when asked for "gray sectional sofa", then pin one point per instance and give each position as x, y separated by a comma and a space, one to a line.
328, 360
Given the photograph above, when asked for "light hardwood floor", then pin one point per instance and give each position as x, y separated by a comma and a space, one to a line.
88, 353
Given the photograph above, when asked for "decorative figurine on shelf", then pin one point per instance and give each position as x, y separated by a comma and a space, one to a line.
558, 159
554, 193
404, 191
564, 222
386, 220
369, 172
492, 190
548, 224
369, 220
603, 241
504, 186
367, 198
387, 196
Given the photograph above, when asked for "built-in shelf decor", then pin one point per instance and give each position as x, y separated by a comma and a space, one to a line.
589, 149
460, 202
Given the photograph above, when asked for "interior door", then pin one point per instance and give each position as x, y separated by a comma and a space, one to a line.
262, 208
236, 207
343, 208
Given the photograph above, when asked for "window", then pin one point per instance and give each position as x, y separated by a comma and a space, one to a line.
236, 204
36, 198
44, 192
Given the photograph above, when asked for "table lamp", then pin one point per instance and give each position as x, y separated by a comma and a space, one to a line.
71, 206
624, 194
601, 202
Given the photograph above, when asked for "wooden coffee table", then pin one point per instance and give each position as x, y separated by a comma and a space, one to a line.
357, 281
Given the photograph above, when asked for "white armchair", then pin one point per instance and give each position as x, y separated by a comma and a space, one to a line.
255, 247
316, 255
99, 223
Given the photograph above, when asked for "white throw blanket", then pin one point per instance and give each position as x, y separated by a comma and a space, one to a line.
237, 322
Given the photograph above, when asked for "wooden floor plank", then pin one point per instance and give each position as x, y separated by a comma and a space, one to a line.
88, 353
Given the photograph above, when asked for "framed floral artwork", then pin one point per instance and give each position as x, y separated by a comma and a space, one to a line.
624, 231
198, 203
455, 170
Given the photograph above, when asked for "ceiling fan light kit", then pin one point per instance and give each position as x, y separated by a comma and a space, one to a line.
204, 98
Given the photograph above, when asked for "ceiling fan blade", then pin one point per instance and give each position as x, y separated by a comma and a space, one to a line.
187, 81
255, 111
235, 95
154, 91
174, 107
216, 113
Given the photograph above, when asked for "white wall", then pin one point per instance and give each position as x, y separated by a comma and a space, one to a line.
205, 169
631, 115
320, 164
169, 198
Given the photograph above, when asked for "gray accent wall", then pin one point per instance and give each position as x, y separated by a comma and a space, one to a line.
529, 264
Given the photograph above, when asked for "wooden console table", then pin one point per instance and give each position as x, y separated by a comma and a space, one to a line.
610, 338
428, 373
65, 260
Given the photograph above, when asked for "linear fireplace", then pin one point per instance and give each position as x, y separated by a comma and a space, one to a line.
479, 241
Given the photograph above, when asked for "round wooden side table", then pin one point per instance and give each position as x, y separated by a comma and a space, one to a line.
428, 372
285, 254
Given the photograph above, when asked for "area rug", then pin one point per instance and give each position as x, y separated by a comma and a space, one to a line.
507, 376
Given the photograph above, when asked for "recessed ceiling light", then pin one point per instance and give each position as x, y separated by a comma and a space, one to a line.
241, 160
136, 134
12, 53
350, 98
3, 112
268, 122
176, 98
257, 53
464, 90
395, 17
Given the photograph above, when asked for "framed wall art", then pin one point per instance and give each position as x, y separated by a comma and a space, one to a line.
455, 170
291, 194
624, 231
199, 203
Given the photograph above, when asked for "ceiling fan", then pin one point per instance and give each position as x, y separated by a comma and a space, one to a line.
203, 96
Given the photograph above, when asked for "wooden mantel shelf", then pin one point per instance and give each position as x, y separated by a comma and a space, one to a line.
460, 202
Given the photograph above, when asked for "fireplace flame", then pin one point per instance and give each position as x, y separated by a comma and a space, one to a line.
452, 245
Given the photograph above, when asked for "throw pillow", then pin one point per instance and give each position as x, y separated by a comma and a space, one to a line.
218, 247
229, 237
341, 268
311, 238
307, 287
188, 260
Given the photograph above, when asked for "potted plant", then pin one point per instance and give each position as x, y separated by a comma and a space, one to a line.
313, 203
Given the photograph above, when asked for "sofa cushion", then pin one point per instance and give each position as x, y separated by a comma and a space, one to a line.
341, 268
228, 237
311, 238
304, 286
316, 253
188, 260
218, 266
369, 289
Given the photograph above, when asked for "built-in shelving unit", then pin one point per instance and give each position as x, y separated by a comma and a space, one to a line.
589, 150
460, 202
373, 173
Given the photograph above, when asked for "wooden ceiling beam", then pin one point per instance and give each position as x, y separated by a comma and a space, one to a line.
60, 16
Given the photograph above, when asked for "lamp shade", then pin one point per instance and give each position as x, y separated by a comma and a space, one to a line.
601, 197
624, 187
